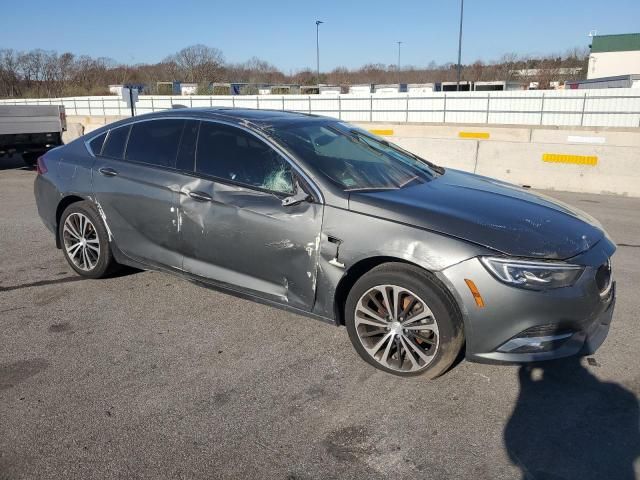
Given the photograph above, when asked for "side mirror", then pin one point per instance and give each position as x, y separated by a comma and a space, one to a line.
298, 197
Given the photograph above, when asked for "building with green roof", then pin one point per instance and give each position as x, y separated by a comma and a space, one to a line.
614, 55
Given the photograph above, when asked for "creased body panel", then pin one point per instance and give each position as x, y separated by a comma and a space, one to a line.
362, 237
247, 238
139, 205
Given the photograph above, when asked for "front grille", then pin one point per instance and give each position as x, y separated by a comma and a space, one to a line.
603, 276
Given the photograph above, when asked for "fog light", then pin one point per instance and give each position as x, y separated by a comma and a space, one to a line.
529, 344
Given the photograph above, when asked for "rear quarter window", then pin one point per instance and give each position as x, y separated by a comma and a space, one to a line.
95, 145
115, 142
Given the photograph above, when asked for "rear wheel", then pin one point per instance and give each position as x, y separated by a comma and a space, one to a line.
85, 241
401, 320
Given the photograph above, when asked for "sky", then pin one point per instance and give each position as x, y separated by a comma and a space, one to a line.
284, 33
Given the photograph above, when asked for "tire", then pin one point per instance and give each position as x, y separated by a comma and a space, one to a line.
428, 325
96, 264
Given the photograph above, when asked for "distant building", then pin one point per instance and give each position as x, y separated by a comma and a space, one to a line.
188, 88
417, 88
614, 55
497, 86
117, 89
388, 89
330, 90
620, 81
464, 86
535, 72
363, 89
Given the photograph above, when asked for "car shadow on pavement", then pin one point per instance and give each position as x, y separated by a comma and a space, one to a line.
568, 424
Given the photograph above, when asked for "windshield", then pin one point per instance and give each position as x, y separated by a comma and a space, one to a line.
353, 158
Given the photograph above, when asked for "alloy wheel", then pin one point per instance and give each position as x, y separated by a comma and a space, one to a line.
81, 241
396, 328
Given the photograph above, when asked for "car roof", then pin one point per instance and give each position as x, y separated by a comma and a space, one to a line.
258, 118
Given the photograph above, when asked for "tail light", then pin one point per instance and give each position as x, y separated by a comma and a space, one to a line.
41, 167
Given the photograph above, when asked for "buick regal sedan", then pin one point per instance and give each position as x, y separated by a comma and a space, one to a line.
323, 219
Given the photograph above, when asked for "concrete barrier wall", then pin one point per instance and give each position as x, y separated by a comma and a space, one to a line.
599, 160
578, 160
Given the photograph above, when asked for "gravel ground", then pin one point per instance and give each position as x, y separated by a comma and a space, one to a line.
148, 376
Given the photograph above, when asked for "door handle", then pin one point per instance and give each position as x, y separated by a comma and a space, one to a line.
200, 196
107, 172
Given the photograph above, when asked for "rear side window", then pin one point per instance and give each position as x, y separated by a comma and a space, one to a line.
115, 143
155, 142
232, 154
95, 145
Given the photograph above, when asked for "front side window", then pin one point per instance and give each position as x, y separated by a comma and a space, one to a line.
115, 142
352, 158
155, 142
230, 153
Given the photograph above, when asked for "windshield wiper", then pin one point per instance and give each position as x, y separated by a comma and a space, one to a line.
438, 169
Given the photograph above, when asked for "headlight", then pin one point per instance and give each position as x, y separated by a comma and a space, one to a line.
532, 275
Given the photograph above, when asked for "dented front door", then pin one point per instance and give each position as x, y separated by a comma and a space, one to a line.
248, 240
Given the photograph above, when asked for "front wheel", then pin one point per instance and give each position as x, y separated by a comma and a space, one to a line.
401, 320
85, 241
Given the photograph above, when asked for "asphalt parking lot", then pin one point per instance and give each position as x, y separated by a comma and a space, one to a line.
145, 375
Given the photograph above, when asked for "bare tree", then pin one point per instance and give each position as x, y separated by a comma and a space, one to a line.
198, 63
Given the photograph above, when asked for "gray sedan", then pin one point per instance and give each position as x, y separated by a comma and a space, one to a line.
321, 218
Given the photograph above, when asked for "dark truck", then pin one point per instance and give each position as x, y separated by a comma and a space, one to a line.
30, 130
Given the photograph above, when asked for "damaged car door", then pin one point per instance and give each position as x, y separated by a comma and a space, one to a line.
136, 187
246, 220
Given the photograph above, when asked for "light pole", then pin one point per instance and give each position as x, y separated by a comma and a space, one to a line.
318, 22
399, 43
460, 45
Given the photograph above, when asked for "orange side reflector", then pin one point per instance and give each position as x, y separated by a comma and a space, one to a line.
474, 291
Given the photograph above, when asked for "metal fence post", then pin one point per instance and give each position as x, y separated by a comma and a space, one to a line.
488, 101
542, 109
233, 101
153, 108
584, 102
309, 104
257, 102
406, 116
371, 108
104, 113
339, 108
75, 107
283, 103
444, 109
190, 101
89, 104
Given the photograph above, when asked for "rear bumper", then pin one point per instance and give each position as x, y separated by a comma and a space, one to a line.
518, 325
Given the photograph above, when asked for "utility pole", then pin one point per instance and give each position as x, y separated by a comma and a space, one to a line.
318, 22
399, 43
460, 45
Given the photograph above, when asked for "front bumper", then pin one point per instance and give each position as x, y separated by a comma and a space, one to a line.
518, 325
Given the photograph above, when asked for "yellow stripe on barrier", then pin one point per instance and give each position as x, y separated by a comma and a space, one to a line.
381, 131
484, 135
590, 160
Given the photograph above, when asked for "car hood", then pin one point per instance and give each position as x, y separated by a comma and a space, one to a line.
487, 212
